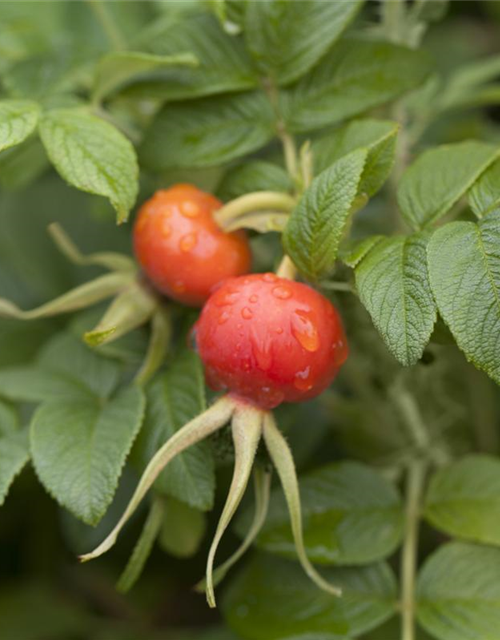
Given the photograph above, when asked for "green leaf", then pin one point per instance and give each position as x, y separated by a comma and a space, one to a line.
92, 155
208, 132
287, 38
316, 225
119, 68
471, 84
459, 593
273, 598
14, 450
36, 384
79, 449
351, 515
484, 197
255, 175
174, 398
183, 529
379, 138
356, 76
21, 165
463, 499
464, 271
18, 119
393, 284
439, 178
224, 64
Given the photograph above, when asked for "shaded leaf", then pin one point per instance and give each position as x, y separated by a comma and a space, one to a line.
356, 76
255, 175
14, 450
119, 68
208, 132
287, 38
484, 197
273, 598
183, 529
351, 515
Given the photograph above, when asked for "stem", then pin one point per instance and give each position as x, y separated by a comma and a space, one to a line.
393, 18
289, 151
113, 33
414, 491
252, 202
412, 417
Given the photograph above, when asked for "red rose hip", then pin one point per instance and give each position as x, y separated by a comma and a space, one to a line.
270, 340
180, 247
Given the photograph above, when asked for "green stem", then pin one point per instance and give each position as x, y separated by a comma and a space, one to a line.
113, 33
252, 202
393, 18
411, 414
414, 492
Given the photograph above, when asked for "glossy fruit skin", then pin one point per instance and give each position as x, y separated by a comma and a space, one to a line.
270, 340
181, 249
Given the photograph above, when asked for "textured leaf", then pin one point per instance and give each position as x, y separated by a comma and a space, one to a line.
317, 224
224, 64
351, 516
356, 76
352, 252
464, 270
256, 175
174, 398
287, 38
463, 500
274, 599
79, 449
119, 68
471, 84
484, 197
379, 138
92, 155
393, 285
208, 132
18, 119
439, 178
459, 593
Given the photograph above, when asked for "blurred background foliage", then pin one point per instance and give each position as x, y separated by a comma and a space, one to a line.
44, 593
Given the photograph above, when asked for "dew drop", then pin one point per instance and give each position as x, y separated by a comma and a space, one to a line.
253, 298
269, 277
227, 299
303, 380
246, 313
305, 331
165, 229
282, 292
188, 242
189, 209
279, 330
223, 318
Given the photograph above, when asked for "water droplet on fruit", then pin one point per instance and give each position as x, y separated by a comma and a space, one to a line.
279, 330
246, 313
223, 318
165, 229
282, 292
302, 380
227, 299
269, 277
253, 298
305, 331
189, 209
188, 242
